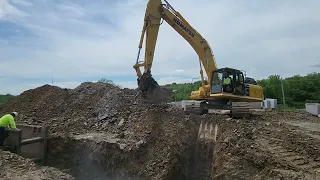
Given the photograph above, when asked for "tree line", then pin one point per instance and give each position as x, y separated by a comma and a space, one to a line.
4, 99
298, 90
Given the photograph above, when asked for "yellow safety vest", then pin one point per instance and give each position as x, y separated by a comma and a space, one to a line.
227, 81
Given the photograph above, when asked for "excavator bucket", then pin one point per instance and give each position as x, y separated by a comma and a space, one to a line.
151, 89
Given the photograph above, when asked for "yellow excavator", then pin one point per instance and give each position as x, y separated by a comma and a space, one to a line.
222, 89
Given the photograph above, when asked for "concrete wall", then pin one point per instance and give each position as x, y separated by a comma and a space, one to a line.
36, 150
33, 150
313, 108
177, 104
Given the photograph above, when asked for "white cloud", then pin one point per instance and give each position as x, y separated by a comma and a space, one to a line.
316, 65
79, 40
8, 11
178, 71
172, 79
21, 2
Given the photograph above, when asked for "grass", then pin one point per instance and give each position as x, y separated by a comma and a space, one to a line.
4, 99
286, 107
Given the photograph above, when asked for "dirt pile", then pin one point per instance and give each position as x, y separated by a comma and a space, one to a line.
90, 107
15, 167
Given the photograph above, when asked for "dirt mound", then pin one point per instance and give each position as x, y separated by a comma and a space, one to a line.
90, 107
14, 167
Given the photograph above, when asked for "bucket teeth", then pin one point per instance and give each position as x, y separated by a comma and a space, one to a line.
207, 132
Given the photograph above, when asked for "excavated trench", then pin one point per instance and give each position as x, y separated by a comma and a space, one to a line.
99, 156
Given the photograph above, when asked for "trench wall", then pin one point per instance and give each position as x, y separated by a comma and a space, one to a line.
88, 159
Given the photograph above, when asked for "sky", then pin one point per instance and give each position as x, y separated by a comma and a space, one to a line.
70, 42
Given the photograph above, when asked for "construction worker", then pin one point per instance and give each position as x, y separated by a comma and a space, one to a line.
7, 122
227, 83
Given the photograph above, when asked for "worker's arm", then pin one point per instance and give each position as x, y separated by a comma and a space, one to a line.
154, 12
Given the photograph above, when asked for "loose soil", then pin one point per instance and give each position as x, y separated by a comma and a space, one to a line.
268, 146
15, 167
99, 131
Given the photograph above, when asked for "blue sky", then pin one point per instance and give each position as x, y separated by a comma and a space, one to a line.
77, 41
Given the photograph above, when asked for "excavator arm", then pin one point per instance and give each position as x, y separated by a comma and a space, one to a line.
156, 12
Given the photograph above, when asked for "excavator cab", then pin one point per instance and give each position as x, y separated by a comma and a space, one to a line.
228, 91
227, 80
229, 84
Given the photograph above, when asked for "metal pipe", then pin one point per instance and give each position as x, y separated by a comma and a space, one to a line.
168, 4
138, 55
283, 98
32, 140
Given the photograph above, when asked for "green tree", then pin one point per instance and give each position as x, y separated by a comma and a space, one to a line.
183, 91
106, 81
4, 99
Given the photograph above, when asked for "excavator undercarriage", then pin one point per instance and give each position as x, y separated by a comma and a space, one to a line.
234, 109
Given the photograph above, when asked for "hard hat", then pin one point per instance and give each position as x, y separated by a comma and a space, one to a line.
15, 113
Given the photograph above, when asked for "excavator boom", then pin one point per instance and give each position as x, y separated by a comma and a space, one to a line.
155, 13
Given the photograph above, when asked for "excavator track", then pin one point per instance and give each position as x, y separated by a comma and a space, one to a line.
237, 109
240, 110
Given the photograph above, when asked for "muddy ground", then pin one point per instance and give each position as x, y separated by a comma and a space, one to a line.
98, 131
